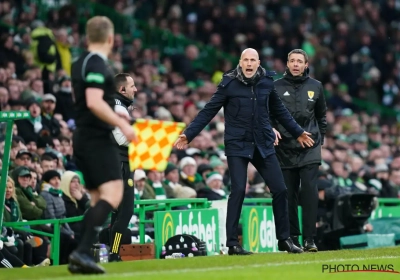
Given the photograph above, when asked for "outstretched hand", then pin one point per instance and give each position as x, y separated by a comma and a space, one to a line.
277, 136
181, 142
305, 140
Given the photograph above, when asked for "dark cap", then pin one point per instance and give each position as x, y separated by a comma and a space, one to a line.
23, 152
24, 172
50, 154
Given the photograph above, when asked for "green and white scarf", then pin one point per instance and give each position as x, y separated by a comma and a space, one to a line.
158, 190
49, 188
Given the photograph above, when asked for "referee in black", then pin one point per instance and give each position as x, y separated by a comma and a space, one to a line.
124, 94
95, 151
304, 98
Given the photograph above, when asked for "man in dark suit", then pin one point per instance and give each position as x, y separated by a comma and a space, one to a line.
247, 94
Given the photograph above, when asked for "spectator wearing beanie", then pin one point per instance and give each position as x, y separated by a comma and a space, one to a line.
52, 193
203, 169
214, 189
171, 175
188, 175
219, 166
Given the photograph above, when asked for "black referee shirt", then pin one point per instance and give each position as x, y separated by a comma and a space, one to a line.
91, 71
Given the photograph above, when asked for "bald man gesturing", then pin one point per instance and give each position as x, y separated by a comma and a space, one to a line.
248, 95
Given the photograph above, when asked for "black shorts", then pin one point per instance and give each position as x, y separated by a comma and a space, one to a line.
97, 156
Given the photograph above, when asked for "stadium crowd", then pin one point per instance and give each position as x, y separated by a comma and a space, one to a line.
354, 49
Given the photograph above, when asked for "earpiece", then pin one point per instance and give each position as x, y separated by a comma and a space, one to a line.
123, 89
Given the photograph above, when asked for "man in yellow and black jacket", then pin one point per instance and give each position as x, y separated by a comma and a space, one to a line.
44, 50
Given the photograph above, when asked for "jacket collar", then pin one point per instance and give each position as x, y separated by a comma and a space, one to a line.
124, 100
298, 79
230, 76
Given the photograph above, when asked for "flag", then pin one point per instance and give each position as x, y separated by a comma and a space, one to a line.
155, 140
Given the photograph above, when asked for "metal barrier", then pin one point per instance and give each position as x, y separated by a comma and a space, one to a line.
164, 205
141, 208
54, 237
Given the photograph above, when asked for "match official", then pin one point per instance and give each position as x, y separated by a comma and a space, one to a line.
95, 151
125, 92
304, 98
248, 95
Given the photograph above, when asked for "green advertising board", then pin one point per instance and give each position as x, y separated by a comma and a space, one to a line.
202, 223
258, 225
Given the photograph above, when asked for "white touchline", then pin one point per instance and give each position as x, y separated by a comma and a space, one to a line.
216, 268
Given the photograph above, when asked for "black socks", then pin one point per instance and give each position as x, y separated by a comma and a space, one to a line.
94, 218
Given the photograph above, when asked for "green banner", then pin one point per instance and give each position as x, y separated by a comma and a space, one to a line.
258, 229
258, 225
202, 223
385, 212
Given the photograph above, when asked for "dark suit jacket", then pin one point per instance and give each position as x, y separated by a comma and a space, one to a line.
247, 116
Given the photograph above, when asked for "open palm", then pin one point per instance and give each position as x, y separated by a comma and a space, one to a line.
181, 142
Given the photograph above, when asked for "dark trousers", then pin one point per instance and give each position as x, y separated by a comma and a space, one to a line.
270, 171
24, 251
302, 187
9, 260
120, 218
67, 245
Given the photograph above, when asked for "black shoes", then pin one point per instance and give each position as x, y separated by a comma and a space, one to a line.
81, 263
238, 250
288, 246
309, 245
295, 240
114, 258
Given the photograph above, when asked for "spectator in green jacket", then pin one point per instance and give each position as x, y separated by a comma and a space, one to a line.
31, 204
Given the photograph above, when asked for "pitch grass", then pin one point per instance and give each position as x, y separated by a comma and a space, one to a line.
279, 266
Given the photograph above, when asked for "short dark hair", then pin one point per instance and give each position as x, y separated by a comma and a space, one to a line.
299, 51
46, 157
121, 79
63, 138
